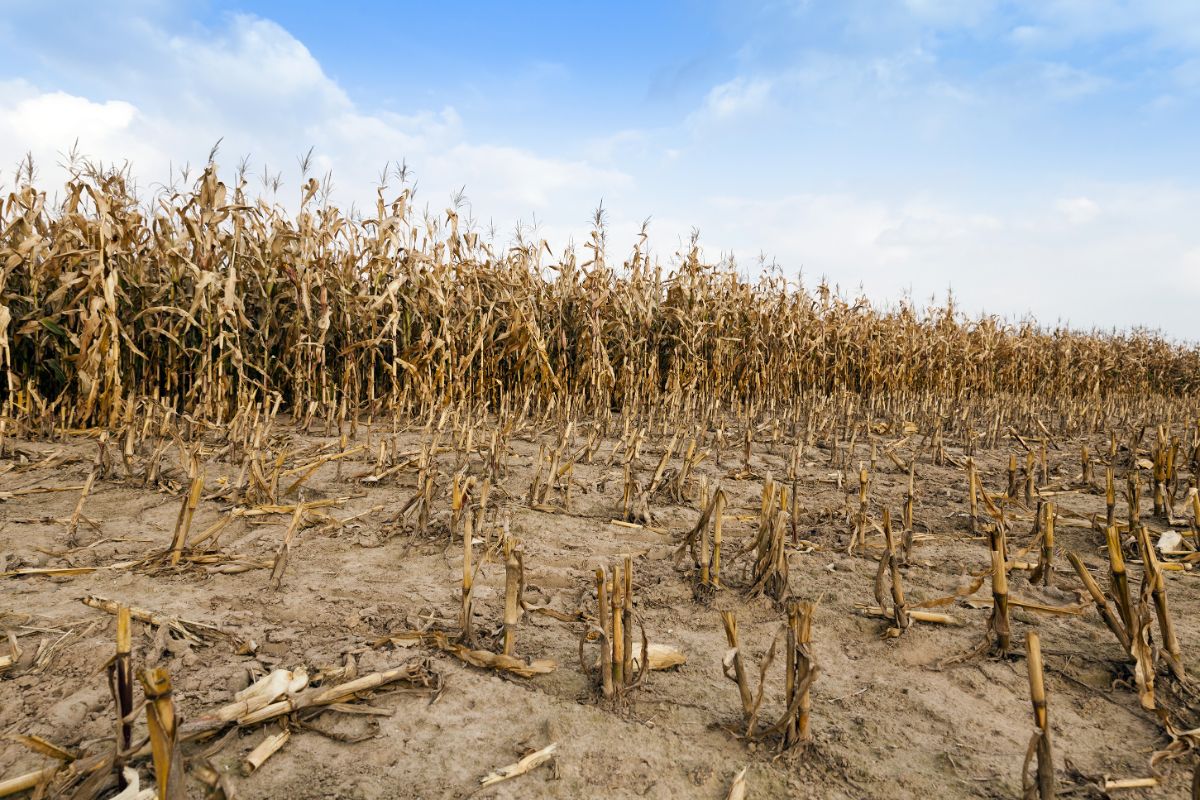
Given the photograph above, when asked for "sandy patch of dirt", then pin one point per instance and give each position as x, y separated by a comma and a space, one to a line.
885, 722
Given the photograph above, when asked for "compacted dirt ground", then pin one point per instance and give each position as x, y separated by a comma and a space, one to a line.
886, 721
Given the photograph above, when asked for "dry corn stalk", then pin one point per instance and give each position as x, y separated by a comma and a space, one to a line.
1044, 786
1152, 578
164, 734
199, 633
415, 671
862, 519
910, 502
620, 672
279, 566
706, 552
733, 660
1142, 651
486, 659
514, 581
1118, 581
887, 581
792, 727
1114, 623
1044, 572
30, 780
998, 637
914, 614
998, 625
1029, 480
187, 510
14, 653
604, 617
1110, 497
268, 747
468, 588
262, 693
120, 676
283, 692
770, 571
526, 764
73, 524
972, 496
800, 672
358, 321
737, 789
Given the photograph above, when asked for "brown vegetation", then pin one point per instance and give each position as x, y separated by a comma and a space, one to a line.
498, 458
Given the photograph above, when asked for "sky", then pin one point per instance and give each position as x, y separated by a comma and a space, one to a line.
1032, 157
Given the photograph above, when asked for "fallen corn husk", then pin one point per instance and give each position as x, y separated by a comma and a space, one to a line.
27, 781
63, 572
265, 749
915, 614
737, 790
484, 659
662, 657
412, 669
488, 660
1130, 783
14, 653
415, 670
44, 746
526, 764
274, 684
133, 790
262, 693
1169, 542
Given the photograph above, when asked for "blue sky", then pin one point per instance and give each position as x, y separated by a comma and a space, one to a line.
1037, 157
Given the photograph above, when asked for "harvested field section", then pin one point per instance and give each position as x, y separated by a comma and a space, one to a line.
362, 582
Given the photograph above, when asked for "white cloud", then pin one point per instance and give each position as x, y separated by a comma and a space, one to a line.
1062, 23
35, 115
1142, 267
259, 88
737, 97
47, 124
254, 62
502, 174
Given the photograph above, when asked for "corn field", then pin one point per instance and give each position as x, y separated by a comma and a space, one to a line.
208, 301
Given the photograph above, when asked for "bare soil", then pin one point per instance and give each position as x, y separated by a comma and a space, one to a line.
886, 721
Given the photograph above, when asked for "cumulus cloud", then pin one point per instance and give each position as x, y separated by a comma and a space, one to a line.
254, 61
259, 89
33, 115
